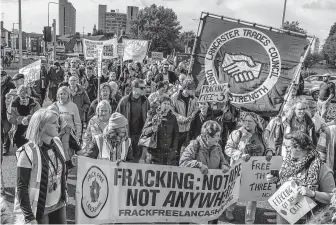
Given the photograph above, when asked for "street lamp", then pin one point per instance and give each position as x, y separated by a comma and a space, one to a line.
48, 8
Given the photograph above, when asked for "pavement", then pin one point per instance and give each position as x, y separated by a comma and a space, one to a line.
265, 214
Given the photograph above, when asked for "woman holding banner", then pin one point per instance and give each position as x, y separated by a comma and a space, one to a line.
243, 143
303, 165
205, 152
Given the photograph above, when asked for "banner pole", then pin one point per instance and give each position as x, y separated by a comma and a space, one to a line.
296, 76
257, 24
191, 64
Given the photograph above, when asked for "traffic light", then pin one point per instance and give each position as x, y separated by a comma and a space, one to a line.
47, 34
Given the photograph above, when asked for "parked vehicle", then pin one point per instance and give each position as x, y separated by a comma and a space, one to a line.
312, 85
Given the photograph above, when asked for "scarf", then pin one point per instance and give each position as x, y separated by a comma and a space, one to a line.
311, 164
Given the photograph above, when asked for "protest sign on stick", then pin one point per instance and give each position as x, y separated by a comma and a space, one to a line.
90, 49
135, 50
157, 56
289, 204
31, 72
213, 93
142, 193
254, 186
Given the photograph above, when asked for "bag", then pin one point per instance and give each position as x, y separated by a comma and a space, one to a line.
149, 142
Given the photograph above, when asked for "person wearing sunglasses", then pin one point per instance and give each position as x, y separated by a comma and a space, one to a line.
134, 107
20, 111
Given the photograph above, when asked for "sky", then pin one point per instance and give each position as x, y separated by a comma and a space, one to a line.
315, 16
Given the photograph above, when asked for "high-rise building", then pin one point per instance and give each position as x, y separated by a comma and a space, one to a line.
132, 14
111, 22
67, 18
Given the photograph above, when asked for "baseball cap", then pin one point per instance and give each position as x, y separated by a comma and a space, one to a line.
18, 76
56, 63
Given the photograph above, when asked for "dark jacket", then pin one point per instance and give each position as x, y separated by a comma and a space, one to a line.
196, 124
54, 77
124, 108
91, 87
5, 88
81, 99
93, 107
172, 77
13, 114
167, 140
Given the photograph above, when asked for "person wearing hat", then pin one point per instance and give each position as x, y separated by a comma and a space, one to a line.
327, 93
135, 107
114, 144
6, 86
54, 77
18, 80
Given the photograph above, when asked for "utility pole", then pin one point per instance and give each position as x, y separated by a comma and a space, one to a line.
20, 35
83, 32
54, 38
284, 14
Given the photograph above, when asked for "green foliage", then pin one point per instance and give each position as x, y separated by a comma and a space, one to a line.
329, 49
311, 59
158, 24
185, 38
332, 30
293, 26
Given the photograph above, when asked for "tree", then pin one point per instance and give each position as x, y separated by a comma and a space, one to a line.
311, 59
329, 49
293, 26
332, 30
158, 24
186, 38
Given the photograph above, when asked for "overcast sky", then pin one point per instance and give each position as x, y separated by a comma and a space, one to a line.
315, 16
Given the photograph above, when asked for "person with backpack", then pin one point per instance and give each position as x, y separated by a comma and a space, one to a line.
327, 93
243, 143
205, 151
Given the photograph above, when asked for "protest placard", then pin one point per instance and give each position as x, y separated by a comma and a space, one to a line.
143, 193
100, 59
289, 204
31, 72
157, 56
254, 186
90, 49
135, 50
213, 93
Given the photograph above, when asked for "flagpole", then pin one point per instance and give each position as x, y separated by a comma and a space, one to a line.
284, 13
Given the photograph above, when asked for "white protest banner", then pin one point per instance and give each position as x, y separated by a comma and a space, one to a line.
135, 50
213, 93
90, 49
157, 56
143, 193
100, 59
254, 186
289, 204
31, 72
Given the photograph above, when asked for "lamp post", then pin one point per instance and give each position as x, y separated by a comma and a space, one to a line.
20, 35
284, 14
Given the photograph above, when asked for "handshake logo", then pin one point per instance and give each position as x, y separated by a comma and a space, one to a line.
241, 67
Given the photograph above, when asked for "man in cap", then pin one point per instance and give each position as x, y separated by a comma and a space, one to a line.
54, 77
18, 80
6, 86
327, 93
135, 107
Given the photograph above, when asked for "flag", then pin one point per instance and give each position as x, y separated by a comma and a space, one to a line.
257, 63
110, 49
31, 72
135, 50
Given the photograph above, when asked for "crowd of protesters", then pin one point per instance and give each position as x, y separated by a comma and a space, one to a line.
149, 113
